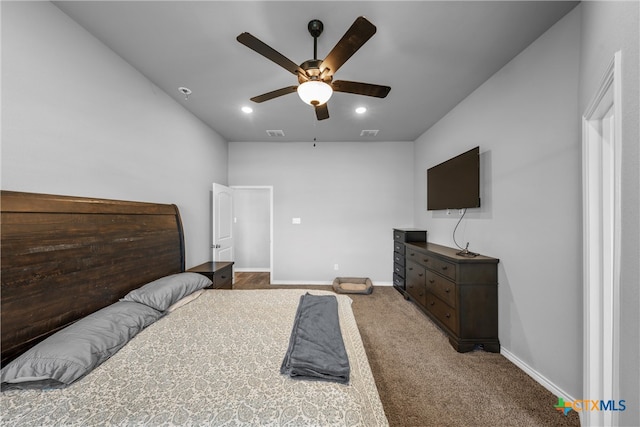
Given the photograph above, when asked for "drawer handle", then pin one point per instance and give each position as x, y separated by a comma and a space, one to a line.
425, 260
432, 303
433, 281
447, 290
420, 274
448, 315
445, 267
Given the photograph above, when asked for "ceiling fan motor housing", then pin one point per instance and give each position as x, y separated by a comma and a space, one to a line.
312, 71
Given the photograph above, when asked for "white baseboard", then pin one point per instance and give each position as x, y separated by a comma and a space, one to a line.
299, 282
314, 282
251, 270
538, 377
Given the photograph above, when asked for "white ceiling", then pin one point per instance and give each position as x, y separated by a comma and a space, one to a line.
432, 53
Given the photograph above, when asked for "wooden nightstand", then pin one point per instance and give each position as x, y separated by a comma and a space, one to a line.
220, 273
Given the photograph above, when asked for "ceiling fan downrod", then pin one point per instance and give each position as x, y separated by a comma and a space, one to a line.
315, 28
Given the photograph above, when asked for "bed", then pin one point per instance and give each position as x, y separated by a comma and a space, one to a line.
213, 361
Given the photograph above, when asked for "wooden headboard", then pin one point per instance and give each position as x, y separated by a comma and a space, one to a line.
65, 257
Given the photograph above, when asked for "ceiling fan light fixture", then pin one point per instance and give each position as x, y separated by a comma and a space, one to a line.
315, 92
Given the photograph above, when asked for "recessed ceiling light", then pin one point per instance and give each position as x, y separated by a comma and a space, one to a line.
361, 110
185, 91
247, 110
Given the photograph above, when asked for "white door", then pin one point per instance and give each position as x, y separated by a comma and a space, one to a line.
222, 241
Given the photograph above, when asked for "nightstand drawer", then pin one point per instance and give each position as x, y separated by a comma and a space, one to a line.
220, 273
223, 279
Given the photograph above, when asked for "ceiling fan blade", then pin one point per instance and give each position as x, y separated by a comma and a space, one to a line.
357, 35
270, 53
358, 88
274, 94
322, 112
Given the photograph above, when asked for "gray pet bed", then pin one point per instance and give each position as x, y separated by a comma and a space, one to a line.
352, 285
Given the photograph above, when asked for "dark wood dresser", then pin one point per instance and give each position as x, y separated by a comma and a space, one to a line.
460, 294
400, 237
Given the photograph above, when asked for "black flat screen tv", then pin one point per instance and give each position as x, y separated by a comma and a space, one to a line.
455, 184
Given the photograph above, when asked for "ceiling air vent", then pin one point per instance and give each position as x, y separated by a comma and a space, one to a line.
275, 132
369, 132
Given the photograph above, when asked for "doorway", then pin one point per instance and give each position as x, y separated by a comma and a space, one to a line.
601, 147
253, 228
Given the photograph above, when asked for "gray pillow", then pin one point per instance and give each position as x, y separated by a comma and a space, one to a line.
76, 350
162, 293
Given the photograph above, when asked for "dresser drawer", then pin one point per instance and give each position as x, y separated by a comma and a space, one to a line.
443, 267
398, 247
415, 283
398, 281
442, 288
436, 264
398, 258
398, 269
409, 235
441, 311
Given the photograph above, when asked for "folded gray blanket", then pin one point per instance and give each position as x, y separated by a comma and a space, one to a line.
316, 349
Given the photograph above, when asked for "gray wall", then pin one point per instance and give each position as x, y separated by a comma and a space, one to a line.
606, 28
349, 196
79, 120
525, 120
251, 227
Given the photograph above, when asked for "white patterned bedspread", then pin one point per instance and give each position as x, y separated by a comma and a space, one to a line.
215, 361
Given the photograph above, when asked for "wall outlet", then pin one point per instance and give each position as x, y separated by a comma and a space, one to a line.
336, 267
296, 221
448, 211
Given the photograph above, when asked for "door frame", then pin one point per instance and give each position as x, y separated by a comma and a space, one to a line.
601, 173
270, 189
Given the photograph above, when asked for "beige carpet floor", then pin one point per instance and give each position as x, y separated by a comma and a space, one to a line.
423, 381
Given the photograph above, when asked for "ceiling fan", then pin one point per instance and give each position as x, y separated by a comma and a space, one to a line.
315, 77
